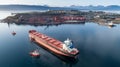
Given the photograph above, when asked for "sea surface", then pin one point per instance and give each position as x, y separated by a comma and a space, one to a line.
99, 45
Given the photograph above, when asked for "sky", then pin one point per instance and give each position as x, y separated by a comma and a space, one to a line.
61, 3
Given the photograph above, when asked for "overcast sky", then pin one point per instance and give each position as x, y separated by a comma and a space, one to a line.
61, 2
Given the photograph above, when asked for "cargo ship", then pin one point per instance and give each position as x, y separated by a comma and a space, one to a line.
61, 48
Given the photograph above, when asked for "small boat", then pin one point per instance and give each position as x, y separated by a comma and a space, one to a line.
35, 53
110, 24
13, 33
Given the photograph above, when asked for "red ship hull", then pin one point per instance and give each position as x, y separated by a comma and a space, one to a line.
50, 43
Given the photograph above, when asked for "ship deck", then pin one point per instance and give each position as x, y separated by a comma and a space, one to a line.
48, 39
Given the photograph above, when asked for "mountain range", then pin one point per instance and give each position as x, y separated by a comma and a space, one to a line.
99, 7
31, 7
45, 7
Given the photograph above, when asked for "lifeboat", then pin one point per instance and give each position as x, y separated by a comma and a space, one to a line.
35, 53
13, 33
65, 48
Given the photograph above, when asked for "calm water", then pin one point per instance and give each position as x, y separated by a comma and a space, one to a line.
99, 46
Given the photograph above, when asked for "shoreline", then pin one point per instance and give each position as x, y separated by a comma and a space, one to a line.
53, 17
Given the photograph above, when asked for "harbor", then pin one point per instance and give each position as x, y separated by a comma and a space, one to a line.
56, 33
57, 17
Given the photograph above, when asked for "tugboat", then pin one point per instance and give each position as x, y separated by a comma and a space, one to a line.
35, 53
13, 33
61, 48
